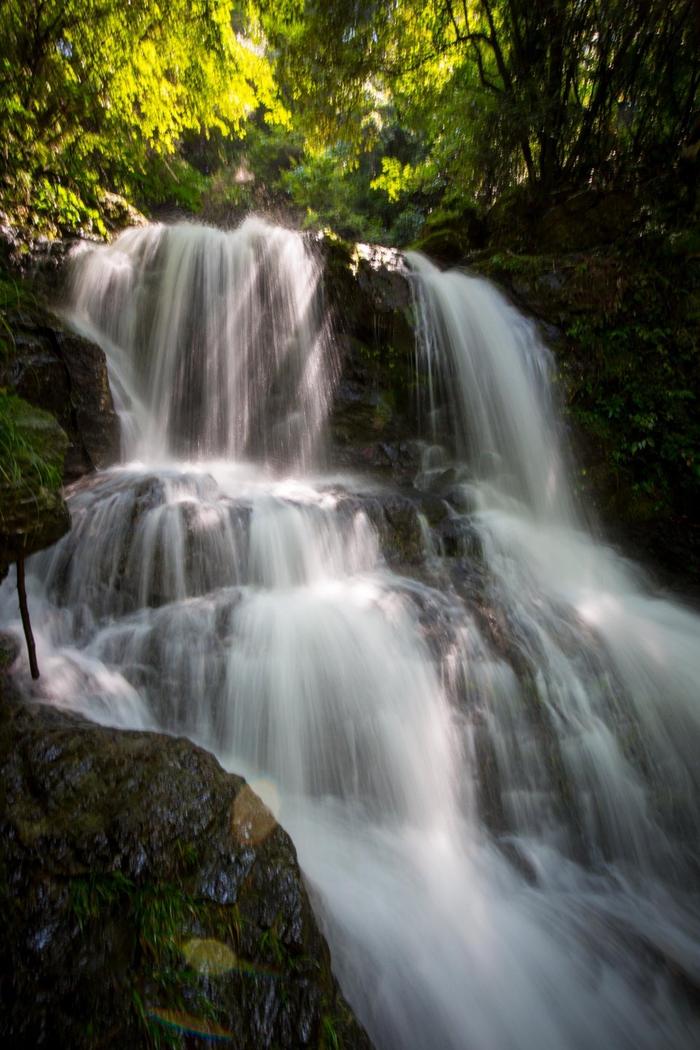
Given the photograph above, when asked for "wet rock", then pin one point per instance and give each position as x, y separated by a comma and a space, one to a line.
158, 546
397, 459
461, 497
118, 214
93, 426
449, 238
433, 508
25, 253
30, 520
438, 616
33, 514
138, 900
67, 376
458, 537
367, 287
404, 532
438, 481
587, 219
377, 404
382, 277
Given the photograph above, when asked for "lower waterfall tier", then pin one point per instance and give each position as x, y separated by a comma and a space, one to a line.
480, 732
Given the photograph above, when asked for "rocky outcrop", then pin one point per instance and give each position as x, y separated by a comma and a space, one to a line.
149, 898
43, 362
33, 514
377, 407
66, 376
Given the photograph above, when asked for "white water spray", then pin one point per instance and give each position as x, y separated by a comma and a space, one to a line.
491, 783
217, 342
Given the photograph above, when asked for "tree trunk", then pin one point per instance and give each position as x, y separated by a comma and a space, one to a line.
26, 623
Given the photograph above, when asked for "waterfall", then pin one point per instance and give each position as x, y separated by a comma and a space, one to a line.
611, 666
494, 375
489, 766
217, 340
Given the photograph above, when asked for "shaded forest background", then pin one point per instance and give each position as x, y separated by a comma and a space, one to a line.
553, 144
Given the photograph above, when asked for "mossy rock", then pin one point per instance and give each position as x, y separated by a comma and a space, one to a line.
61, 373
148, 898
33, 514
449, 235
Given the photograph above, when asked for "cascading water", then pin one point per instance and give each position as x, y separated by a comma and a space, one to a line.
491, 777
612, 666
216, 344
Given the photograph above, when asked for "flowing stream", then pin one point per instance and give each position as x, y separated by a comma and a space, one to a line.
490, 767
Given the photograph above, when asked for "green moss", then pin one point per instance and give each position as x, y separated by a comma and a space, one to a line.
91, 895
189, 854
161, 916
329, 1035
29, 452
514, 264
33, 514
271, 947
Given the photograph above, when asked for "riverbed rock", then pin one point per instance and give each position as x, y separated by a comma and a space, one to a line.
149, 898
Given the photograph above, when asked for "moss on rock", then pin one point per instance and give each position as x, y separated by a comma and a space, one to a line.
32, 511
143, 904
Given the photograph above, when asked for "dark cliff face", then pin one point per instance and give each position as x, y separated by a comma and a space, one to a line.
65, 375
377, 414
33, 514
149, 898
56, 409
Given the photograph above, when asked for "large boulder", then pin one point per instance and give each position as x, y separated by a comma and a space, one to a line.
42, 361
33, 514
148, 898
67, 376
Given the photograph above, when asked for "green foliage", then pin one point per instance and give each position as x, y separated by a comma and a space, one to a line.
502, 91
92, 92
25, 457
30, 458
397, 179
92, 894
387, 109
15, 294
173, 181
329, 1035
56, 205
272, 170
161, 914
634, 383
332, 193
159, 1036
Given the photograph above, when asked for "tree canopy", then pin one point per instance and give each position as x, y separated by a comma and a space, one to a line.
91, 91
501, 91
400, 103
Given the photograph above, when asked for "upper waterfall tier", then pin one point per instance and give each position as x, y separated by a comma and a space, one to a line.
488, 368
216, 341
